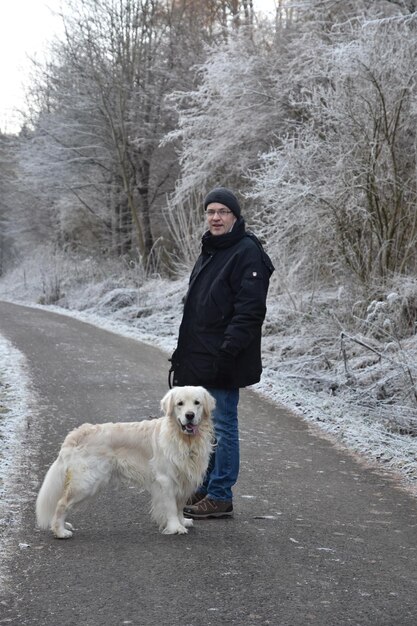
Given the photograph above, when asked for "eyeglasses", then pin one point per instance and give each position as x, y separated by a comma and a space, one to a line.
220, 212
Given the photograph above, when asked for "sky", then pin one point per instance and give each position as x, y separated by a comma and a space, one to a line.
26, 26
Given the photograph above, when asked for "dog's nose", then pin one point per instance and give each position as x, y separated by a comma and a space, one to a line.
189, 415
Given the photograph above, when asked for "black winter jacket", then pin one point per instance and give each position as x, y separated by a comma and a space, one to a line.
219, 342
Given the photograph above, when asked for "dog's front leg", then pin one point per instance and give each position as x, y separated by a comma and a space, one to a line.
185, 521
164, 507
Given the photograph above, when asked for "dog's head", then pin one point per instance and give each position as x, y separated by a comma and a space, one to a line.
188, 406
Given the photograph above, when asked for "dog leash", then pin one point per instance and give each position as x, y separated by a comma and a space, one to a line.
170, 375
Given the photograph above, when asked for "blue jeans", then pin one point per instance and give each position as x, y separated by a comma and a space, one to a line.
223, 467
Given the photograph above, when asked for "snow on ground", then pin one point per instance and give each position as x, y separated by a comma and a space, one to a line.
151, 312
15, 412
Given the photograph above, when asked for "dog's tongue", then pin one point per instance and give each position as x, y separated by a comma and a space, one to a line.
191, 428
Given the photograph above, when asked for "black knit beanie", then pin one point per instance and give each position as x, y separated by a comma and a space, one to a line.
223, 196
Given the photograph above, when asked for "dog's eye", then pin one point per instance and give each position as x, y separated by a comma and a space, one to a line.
196, 401
180, 403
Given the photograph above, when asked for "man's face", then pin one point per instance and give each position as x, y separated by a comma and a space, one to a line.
220, 218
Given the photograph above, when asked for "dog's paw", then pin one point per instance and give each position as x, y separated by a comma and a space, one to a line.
187, 522
69, 526
63, 534
177, 529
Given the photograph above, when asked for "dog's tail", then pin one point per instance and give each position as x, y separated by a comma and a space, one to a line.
51, 491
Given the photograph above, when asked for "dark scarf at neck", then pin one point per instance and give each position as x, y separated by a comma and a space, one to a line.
211, 243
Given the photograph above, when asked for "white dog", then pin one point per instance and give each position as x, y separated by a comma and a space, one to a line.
167, 456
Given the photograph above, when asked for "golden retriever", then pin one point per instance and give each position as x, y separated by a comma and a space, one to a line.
167, 456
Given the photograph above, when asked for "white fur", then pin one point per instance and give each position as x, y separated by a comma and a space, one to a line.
159, 454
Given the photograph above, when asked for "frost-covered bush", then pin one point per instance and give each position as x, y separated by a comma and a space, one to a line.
185, 223
394, 316
51, 276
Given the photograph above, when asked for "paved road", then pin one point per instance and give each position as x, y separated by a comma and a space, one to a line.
317, 538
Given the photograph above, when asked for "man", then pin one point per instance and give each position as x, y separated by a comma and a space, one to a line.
219, 342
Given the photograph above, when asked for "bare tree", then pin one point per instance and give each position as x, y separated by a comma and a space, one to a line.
99, 114
344, 182
7, 176
234, 113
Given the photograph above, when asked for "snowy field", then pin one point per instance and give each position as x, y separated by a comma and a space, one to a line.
151, 313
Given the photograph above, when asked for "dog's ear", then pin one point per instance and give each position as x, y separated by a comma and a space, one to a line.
208, 403
167, 402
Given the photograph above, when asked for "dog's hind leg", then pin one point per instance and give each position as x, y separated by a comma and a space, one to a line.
60, 528
72, 495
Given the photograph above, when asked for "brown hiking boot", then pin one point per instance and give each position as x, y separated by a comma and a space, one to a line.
207, 508
196, 497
